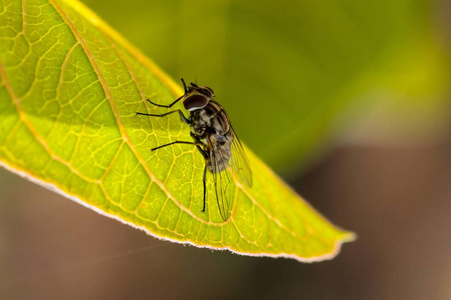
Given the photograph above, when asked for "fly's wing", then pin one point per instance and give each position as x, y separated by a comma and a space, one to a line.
223, 192
222, 181
239, 161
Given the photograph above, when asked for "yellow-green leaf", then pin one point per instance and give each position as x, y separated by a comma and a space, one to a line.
70, 89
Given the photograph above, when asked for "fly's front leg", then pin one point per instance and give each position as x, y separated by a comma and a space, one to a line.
182, 116
176, 100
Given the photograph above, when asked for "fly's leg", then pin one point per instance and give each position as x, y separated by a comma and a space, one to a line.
167, 106
204, 154
176, 142
176, 100
199, 144
207, 157
182, 116
205, 185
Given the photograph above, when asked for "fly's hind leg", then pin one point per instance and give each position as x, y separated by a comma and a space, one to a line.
206, 157
205, 185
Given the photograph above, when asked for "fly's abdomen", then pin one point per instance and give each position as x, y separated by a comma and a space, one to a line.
220, 153
218, 165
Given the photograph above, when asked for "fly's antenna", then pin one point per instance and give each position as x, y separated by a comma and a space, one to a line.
184, 85
194, 84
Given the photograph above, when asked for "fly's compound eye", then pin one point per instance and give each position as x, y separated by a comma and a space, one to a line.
194, 102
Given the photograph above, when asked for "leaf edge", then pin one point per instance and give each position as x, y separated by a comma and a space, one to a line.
345, 237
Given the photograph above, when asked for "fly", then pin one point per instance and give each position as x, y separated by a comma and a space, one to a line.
215, 139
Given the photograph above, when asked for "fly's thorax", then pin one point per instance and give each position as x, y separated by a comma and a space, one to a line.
216, 118
198, 124
212, 119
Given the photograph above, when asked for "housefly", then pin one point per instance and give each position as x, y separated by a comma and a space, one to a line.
215, 139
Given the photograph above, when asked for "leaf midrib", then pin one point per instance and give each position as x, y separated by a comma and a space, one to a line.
120, 124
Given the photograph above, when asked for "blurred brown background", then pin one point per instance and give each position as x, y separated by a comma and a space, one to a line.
369, 147
396, 199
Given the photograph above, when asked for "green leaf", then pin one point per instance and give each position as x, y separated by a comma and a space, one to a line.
70, 89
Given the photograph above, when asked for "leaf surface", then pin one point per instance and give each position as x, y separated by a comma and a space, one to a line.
70, 89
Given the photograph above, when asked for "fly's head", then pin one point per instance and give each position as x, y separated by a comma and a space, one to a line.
197, 97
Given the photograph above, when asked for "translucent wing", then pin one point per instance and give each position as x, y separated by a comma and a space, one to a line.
223, 192
239, 162
219, 160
